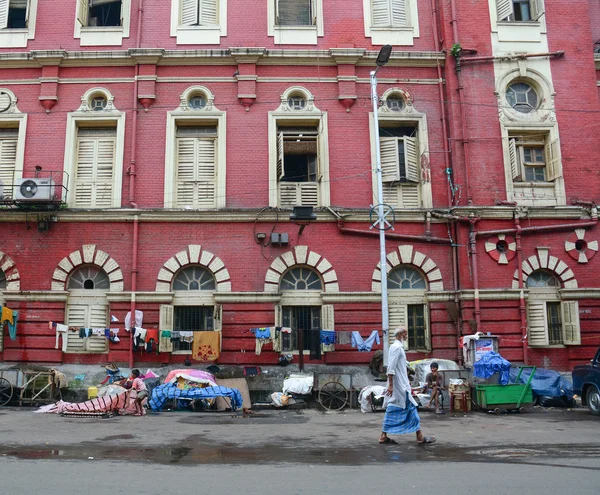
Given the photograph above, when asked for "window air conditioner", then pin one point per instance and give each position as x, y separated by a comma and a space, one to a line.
34, 189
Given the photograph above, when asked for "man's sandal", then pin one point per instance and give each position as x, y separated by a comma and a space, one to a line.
427, 440
389, 441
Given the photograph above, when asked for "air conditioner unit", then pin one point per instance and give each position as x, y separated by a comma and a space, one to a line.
34, 189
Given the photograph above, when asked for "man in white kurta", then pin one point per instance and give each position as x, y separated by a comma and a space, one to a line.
401, 414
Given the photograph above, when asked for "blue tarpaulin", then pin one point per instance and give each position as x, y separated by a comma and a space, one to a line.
545, 382
491, 363
162, 393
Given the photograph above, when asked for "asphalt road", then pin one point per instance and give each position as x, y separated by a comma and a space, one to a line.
304, 452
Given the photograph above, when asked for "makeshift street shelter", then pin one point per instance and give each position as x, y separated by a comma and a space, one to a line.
162, 393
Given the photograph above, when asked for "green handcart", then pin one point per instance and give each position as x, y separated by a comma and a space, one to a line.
514, 396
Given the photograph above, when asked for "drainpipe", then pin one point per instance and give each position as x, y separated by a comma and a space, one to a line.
521, 291
461, 106
399, 237
542, 228
134, 272
473, 252
516, 56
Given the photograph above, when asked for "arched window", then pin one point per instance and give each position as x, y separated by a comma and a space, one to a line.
301, 278
541, 280
89, 278
406, 278
194, 278
2, 280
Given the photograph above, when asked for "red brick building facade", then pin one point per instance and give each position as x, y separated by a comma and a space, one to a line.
149, 150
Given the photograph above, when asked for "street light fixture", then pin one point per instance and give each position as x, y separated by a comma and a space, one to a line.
382, 59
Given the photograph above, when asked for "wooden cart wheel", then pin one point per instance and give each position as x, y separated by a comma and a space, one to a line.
497, 411
333, 396
522, 410
6, 391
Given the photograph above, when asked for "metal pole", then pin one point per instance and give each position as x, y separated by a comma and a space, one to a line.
381, 223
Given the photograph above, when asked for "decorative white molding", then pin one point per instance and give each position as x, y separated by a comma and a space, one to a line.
543, 261
13, 278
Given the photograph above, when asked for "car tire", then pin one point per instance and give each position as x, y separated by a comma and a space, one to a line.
593, 400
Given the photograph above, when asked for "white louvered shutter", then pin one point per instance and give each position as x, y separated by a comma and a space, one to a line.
288, 194
209, 12
537, 9
206, 172
396, 318
165, 322
390, 195
189, 12
218, 317
309, 193
381, 15
98, 318
280, 157
504, 8
537, 330
515, 168
412, 159
77, 316
83, 12
427, 327
570, 323
399, 14
94, 172
409, 196
186, 165
553, 169
195, 176
8, 159
390, 168
28, 9
278, 315
4, 13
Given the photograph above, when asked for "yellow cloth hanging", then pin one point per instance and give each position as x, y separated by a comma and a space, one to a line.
7, 315
206, 346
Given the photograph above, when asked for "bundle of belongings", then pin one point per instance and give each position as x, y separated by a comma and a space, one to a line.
117, 403
550, 388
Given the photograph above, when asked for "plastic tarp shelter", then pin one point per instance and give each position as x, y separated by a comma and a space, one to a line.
547, 383
491, 363
162, 393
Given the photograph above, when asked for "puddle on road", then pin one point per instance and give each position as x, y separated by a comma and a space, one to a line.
195, 453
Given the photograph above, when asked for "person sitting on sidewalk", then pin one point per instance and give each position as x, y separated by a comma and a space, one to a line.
435, 385
140, 390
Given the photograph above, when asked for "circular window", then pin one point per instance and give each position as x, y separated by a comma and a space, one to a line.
297, 102
580, 245
197, 102
90, 278
98, 103
502, 246
522, 97
395, 103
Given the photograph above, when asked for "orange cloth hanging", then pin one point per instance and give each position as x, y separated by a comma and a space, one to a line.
206, 346
7, 315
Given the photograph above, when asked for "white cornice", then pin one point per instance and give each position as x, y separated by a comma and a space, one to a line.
246, 297
141, 297
583, 293
36, 296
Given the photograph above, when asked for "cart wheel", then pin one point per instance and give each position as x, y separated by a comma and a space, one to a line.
497, 411
6, 391
522, 410
333, 396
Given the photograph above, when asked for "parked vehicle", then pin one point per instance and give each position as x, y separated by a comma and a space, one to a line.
586, 383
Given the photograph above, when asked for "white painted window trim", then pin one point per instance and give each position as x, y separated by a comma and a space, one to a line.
406, 297
407, 115
393, 36
198, 35
207, 115
516, 31
103, 36
84, 115
87, 298
295, 35
309, 115
17, 38
9, 121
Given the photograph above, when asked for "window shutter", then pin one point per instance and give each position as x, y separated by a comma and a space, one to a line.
390, 168
104, 172
381, 16
504, 8
206, 173
570, 321
288, 194
195, 180
309, 193
537, 9
98, 319
84, 173
4, 13
278, 315
280, 157
8, 161
327, 323
537, 330
552, 161
409, 194
94, 173
84, 12
186, 164
427, 328
313, 12
165, 322
399, 14
28, 8
218, 318
412, 159
390, 195
189, 12
208, 12
396, 318
294, 12
515, 168
76, 317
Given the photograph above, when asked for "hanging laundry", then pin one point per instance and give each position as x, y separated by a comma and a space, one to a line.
113, 319
262, 333
259, 345
114, 335
97, 332
207, 346
327, 337
344, 338
82, 333
7, 315
364, 345
187, 336
61, 331
12, 327
140, 334
165, 343
139, 319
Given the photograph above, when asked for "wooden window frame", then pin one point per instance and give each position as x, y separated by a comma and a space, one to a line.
198, 34
18, 37
101, 35
393, 35
295, 35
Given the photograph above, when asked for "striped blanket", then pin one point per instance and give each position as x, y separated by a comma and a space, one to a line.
119, 403
162, 393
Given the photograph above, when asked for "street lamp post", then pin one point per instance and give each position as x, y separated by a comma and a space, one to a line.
382, 59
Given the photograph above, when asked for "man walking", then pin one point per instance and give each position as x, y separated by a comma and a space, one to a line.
401, 414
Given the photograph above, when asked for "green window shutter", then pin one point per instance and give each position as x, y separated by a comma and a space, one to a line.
570, 323
537, 329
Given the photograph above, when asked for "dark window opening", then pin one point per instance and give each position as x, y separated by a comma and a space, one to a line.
17, 17
300, 155
105, 13
190, 319
88, 284
305, 322
294, 13
399, 132
502, 246
522, 10
554, 323
416, 326
580, 245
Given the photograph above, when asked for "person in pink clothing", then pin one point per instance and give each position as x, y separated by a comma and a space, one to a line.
141, 392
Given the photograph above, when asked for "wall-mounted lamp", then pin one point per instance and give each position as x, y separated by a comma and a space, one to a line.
43, 225
302, 215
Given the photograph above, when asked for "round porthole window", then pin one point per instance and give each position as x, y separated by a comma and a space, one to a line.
296, 102
197, 102
522, 97
98, 103
395, 103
